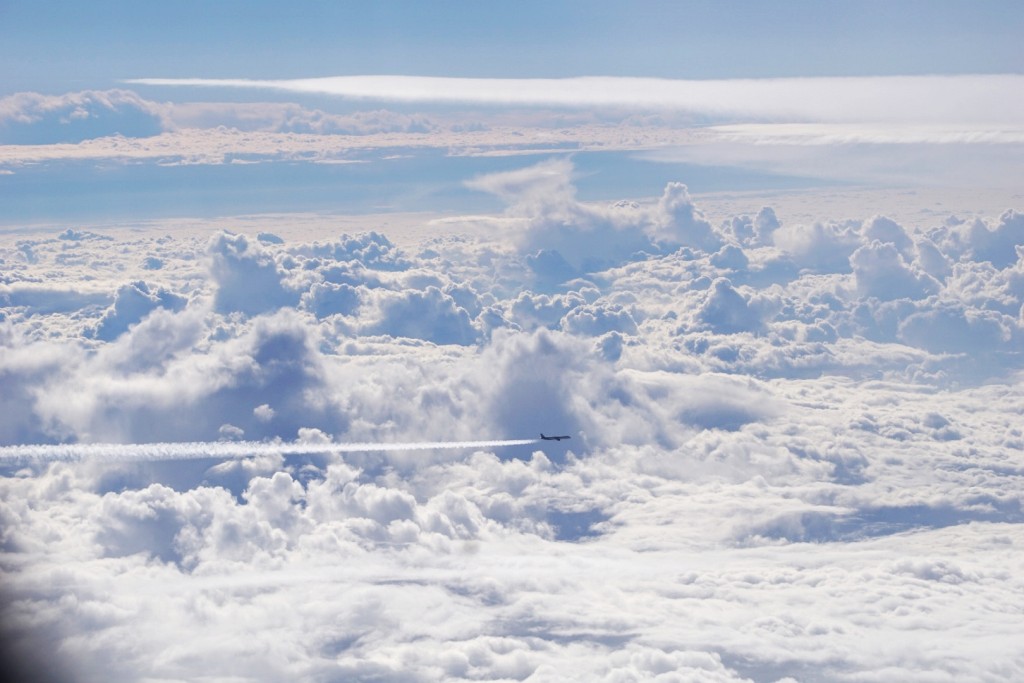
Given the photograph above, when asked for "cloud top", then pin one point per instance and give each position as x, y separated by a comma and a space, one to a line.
788, 441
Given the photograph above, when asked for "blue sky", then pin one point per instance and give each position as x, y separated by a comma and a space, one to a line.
56, 46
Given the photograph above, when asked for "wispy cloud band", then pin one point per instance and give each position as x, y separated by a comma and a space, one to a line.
847, 134
912, 99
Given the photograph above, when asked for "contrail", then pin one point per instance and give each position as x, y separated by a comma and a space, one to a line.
192, 450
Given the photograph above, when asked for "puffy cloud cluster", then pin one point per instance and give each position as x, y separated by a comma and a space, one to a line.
132, 303
882, 273
34, 119
567, 237
792, 449
247, 277
293, 118
30, 118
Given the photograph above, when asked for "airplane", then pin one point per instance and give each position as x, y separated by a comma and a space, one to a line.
552, 438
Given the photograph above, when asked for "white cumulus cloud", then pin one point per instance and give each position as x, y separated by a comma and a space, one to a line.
794, 445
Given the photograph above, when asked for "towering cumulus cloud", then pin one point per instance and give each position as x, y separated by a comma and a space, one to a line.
304, 453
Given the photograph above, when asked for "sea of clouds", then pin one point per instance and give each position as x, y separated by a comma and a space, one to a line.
796, 449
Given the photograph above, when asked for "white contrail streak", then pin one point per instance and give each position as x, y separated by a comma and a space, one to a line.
147, 452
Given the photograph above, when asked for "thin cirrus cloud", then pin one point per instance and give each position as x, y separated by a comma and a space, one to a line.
991, 99
945, 160
846, 133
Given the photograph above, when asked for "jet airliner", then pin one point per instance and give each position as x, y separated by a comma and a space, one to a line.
552, 438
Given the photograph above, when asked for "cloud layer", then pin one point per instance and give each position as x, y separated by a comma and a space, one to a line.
793, 457
911, 99
919, 131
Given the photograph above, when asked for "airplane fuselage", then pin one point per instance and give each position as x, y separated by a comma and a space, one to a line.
553, 438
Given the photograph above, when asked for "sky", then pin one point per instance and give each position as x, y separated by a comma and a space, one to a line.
733, 96
288, 294
43, 43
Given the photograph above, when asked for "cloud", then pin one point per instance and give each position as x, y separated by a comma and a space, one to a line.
132, 303
531, 310
366, 250
792, 455
535, 382
563, 235
881, 272
564, 238
35, 119
26, 369
222, 144
886, 230
429, 314
192, 395
532, 189
327, 298
30, 118
726, 311
900, 130
911, 99
247, 277
284, 117
974, 162
822, 247
43, 299
997, 244
949, 328
596, 319
846, 134
682, 222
